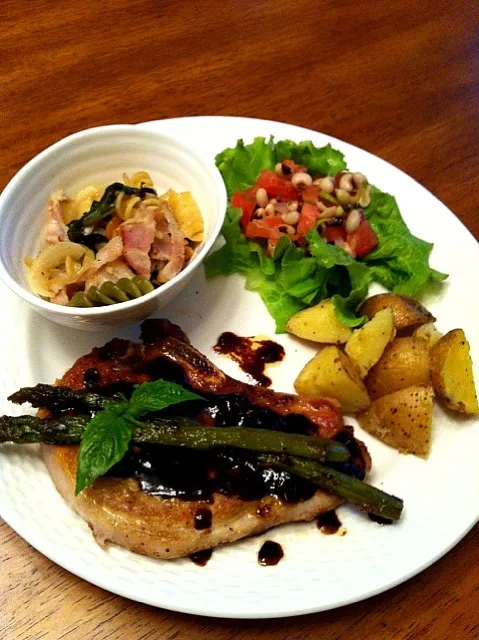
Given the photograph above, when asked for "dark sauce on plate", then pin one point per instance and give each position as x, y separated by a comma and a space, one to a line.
251, 355
203, 518
270, 554
379, 519
329, 523
201, 558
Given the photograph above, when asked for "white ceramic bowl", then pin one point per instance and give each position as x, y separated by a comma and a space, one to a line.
100, 156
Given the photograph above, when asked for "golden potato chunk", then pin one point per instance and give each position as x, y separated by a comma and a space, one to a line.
402, 420
331, 374
451, 373
407, 312
429, 333
366, 345
404, 363
320, 324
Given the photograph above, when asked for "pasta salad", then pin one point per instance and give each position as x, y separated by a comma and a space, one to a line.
114, 244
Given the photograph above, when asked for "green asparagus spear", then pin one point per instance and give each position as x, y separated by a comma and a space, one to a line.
363, 495
30, 429
174, 432
246, 438
295, 450
60, 398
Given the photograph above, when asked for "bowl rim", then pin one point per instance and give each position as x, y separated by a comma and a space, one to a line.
113, 129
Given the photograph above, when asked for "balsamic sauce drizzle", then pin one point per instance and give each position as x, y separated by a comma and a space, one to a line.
329, 523
251, 355
379, 519
270, 554
203, 518
201, 558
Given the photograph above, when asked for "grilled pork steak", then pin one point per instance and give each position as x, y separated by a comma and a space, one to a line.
169, 503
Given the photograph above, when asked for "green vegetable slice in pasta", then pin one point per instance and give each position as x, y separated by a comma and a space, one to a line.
112, 292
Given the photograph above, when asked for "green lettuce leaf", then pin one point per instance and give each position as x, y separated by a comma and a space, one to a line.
347, 279
294, 278
296, 282
241, 165
400, 262
318, 159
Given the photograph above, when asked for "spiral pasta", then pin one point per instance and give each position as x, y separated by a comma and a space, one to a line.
126, 205
74, 208
112, 292
57, 266
138, 180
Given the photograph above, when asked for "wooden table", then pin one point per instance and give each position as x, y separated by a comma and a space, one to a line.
397, 78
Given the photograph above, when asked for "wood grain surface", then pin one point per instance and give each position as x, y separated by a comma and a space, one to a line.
400, 79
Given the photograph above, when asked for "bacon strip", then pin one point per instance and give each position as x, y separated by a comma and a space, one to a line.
110, 252
57, 230
138, 234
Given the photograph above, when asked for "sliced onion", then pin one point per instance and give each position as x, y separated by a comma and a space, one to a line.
281, 207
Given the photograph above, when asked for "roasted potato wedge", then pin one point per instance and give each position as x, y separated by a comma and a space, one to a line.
366, 345
407, 311
451, 373
330, 373
404, 363
429, 333
319, 323
402, 420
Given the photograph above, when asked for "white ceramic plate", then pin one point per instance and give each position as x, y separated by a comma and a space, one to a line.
318, 572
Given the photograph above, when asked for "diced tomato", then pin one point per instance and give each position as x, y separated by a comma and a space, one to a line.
273, 221
307, 218
293, 167
310, 194
251, 192
313, 193
246, 202
276, 186
265, 228
333, 233
363, 240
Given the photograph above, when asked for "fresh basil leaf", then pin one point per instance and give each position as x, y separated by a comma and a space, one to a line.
107, 436
104, 443
155, 396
